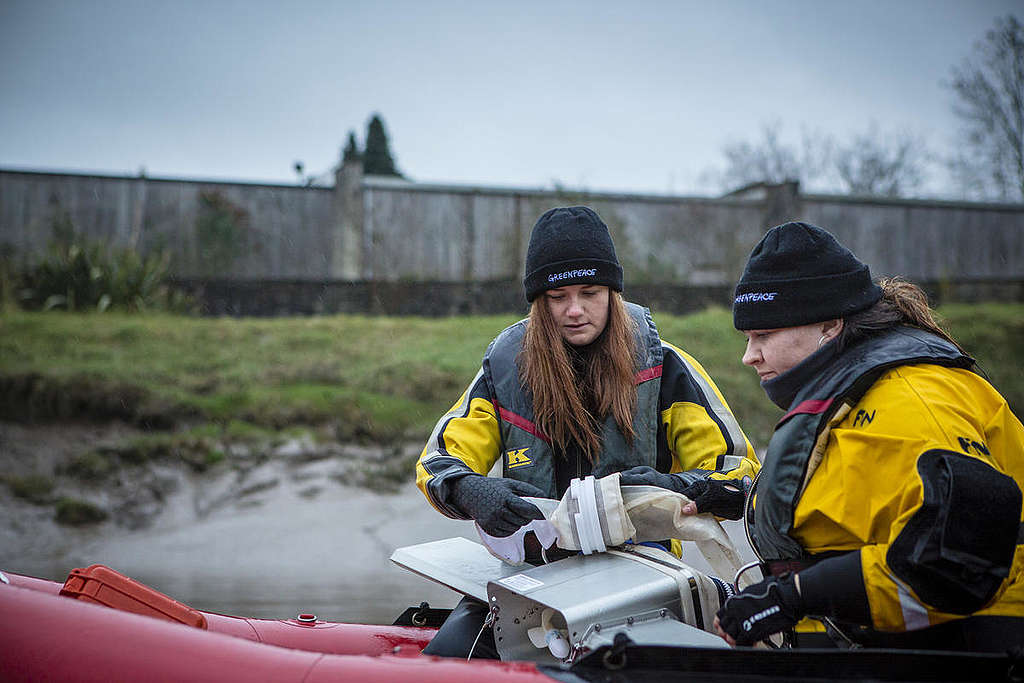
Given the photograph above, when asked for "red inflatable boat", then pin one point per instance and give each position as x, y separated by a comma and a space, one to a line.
102, 626
69, 632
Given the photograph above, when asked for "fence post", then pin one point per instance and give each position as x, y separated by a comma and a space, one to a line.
782, 203
347, 259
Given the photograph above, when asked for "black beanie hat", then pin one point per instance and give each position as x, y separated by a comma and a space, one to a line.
800, 274
570, 246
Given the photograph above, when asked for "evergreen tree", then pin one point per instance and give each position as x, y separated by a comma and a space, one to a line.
377, 156
351, 152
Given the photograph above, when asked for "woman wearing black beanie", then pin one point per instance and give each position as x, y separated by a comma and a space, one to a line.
889, 504
583, 386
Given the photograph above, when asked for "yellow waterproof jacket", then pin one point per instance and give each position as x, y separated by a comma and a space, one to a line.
696, 431
868, 487
919, 470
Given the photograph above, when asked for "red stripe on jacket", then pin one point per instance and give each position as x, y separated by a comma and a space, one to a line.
648, 374
521, 422
524, 424
812, 406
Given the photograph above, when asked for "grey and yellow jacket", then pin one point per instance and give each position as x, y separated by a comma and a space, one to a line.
903, 467
681, 423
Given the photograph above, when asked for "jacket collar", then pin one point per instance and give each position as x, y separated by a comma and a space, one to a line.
784, 388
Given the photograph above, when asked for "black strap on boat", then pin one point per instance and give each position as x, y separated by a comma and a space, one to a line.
615, 657
755, 665
422, 616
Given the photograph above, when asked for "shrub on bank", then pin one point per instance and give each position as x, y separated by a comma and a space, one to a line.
35, 488
74, 512
80, 276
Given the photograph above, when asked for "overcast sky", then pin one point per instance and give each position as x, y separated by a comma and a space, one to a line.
623, 96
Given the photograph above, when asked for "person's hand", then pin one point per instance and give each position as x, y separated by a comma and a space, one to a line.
721, 497
724, 498
760, 610
495, 503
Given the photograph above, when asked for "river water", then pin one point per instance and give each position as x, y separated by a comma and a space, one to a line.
285, 554
276, 557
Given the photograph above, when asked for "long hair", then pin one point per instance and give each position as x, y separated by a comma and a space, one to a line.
568, 407
902, 303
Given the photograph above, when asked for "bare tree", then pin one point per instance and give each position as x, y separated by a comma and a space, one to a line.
990, 103
773, 161
871, 163
876, 164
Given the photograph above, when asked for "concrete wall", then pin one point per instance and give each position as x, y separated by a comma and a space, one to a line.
445, 233
933, 241
426, 232
372, 243
281, 231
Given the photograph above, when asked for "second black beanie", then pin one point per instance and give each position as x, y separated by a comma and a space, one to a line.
800, 274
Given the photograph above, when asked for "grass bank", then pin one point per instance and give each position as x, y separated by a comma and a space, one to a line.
364, 378
373, 379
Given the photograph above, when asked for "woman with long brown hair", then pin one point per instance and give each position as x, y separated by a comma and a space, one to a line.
889, 506
583, 386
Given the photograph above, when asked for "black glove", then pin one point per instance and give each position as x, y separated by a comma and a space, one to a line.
495, 503
762, 609
721, 497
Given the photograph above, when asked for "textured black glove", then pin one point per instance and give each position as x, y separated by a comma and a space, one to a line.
495, 503
721, 497
762, 609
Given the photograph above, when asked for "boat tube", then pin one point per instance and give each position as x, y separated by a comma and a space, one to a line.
52, 637
625, 613
76, 637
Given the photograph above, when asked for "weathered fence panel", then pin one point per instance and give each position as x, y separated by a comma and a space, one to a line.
373, 244
931, 241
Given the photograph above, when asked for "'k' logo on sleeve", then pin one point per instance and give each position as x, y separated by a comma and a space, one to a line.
518, 458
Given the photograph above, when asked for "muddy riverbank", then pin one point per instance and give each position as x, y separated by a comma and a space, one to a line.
295, 531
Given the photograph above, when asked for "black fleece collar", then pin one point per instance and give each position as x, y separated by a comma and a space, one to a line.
784, 388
